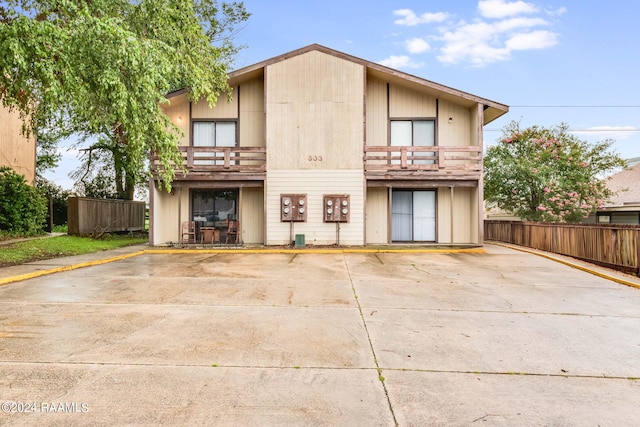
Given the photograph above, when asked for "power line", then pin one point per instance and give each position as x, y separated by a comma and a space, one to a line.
574, 106
583, 130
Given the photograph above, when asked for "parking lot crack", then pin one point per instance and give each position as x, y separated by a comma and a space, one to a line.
494, 293
373, 352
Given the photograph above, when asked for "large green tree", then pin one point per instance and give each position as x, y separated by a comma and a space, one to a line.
102, 67
106, 165
548, 174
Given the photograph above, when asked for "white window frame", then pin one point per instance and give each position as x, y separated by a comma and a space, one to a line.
394, 142
213, 141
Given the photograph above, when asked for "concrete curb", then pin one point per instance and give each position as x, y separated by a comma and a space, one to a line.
310, 251
21, 277
570, 264
35, 274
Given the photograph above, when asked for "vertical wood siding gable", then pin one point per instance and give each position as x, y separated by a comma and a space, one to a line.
314, 110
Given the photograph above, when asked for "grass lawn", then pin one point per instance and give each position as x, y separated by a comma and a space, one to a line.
53, 247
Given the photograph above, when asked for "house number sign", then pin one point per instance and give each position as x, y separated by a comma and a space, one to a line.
314, 158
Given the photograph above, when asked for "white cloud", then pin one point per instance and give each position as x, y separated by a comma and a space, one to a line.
533, 40
516, 24
409, 18
471, 44
556, 12
402, 61
417, 45
502, 9
494, 35
485, 42
474, 43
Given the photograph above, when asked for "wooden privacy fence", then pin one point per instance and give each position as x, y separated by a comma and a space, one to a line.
87, 216
609, 245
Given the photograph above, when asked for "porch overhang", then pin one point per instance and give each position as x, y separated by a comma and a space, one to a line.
210, 183
408, 183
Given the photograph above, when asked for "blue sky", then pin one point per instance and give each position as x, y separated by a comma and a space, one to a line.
572, 61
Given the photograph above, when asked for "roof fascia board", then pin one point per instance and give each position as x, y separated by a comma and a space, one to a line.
498, 109
372, 65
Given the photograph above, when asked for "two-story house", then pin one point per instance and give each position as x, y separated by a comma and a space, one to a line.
16, 150
340, 150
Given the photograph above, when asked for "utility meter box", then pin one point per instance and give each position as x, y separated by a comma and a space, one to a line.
293, 207
337, 207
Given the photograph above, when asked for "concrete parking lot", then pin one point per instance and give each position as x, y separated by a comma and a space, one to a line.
500, 337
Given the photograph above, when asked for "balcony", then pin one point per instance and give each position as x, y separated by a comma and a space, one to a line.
220, 163
381, 163
384, 163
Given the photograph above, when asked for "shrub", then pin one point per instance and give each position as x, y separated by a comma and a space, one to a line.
22, 208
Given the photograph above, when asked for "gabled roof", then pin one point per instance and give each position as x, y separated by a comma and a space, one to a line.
627, 186
492, 109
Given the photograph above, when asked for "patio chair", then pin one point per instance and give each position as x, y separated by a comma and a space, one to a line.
189, 230
232, 232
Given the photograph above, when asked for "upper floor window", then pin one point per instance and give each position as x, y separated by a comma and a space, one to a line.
214, 134
414, 133
417, 133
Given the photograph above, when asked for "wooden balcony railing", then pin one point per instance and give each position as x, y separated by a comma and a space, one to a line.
464, 162
201, 161
439, 162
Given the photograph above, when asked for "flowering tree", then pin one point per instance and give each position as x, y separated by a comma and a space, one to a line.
547, 174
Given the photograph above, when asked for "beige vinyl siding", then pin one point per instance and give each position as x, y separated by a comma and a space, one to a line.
252, 120
223, 109
315, 184
458, 132
377, 215
252, 215
178, 112
404, 102
376, 116
166, 222
463, 213
475, 219
16, 150
443, 215
315, 113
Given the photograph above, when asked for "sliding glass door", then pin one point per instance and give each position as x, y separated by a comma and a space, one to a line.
214, 208
413, 216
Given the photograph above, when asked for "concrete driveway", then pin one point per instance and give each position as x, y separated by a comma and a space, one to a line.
495, 338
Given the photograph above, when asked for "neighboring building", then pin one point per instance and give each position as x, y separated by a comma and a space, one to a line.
496, 214
624, 207
322, 127
16, 150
